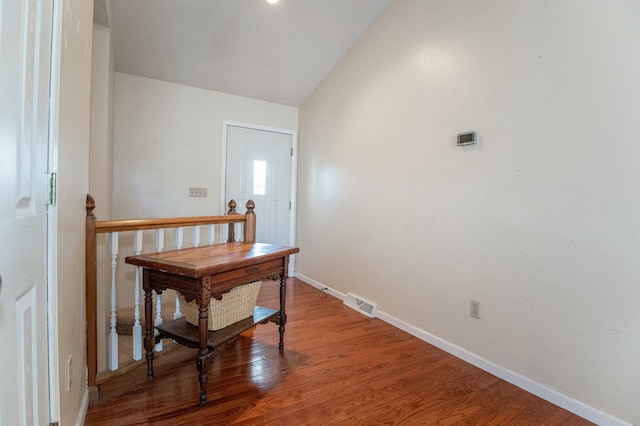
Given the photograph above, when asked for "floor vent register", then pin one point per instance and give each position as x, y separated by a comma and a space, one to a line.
363, 306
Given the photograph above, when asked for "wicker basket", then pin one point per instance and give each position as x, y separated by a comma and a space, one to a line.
235, 306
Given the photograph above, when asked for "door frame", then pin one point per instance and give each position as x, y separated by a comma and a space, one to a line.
52, 215
294, 174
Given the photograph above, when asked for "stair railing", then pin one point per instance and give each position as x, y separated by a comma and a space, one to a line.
114, 229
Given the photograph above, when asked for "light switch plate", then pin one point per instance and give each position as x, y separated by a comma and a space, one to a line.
197, 192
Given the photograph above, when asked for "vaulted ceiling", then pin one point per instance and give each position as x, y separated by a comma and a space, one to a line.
277, 53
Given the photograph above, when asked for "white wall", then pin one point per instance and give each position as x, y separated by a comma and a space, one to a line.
168, 137
73, 183
539, 222
102, 92
101, 166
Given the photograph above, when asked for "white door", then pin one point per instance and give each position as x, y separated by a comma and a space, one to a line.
25, 52
258, 167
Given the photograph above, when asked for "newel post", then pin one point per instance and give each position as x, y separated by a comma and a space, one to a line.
232, 226
91, 292
250, 223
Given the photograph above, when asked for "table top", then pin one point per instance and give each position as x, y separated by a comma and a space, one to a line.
196, 262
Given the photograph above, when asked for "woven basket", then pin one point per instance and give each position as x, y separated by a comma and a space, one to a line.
235, 306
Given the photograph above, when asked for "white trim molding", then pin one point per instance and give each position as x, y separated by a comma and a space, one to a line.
294, 175
548, 394
84, 406
52, 216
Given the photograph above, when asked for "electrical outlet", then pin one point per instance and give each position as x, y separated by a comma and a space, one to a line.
197, 192
474, 309
69, 374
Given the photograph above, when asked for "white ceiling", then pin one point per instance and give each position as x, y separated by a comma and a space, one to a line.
276, 53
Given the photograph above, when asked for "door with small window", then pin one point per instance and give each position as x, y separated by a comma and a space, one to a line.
258, 167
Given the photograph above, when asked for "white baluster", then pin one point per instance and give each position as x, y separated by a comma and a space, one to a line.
137, 327
179, 237
159, 239
179, 242
196, 235
177, 314
211, 234
224, 233
113, 334
158, 320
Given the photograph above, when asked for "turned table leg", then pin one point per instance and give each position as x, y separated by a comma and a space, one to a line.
203, 371
282, 314
149, 338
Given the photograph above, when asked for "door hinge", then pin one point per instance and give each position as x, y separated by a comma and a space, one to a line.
292, 151
51, 188
289, 205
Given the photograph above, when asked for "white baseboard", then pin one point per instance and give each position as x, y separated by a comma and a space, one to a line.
321, 286
555, 397
84, 406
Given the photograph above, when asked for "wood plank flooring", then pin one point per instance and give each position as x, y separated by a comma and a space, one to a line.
338, 368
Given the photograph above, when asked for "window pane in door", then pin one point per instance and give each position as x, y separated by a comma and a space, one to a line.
259, 177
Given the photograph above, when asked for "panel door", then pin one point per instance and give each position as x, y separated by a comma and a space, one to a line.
25, 52
259, 168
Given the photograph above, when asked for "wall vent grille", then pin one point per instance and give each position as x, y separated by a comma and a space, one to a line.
363, 306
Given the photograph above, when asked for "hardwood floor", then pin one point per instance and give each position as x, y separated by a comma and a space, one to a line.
338, 368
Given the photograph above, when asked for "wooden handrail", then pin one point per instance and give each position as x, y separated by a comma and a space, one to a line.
94, 227
105, 226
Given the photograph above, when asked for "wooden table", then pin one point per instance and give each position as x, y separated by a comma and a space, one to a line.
201, 273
